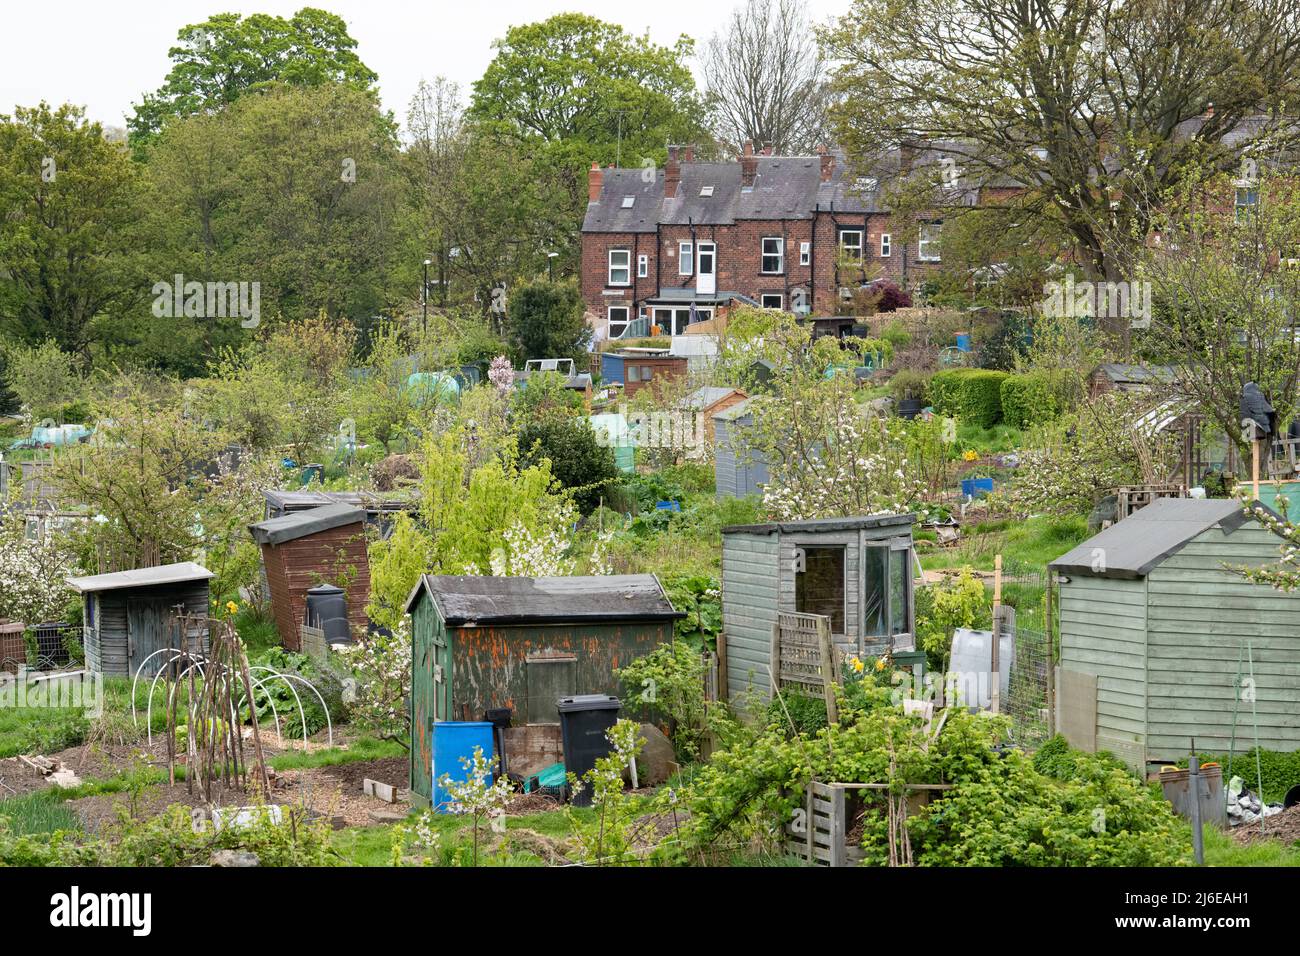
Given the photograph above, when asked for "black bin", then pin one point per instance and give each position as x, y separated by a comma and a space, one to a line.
327, 608
584, 721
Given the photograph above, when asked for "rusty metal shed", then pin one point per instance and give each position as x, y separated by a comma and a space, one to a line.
480, 643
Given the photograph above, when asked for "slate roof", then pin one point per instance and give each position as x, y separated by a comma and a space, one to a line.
299, 524
464, 599
1131, 548
181, 573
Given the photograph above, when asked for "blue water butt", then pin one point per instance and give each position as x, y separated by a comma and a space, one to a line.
452, 740
963, 342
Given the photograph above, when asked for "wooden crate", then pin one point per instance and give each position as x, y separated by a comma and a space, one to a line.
818, 831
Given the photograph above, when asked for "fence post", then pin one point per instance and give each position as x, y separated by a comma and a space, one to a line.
995, 689
828, 670
1051, 658
775, 655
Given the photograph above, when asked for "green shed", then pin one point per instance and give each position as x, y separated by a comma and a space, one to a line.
1153, 625
482, 643
856, 571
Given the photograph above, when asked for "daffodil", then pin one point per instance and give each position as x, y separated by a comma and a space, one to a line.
231, 607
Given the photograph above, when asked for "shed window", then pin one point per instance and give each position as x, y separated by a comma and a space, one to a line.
634, 373
92, 606
886, 584
819, 588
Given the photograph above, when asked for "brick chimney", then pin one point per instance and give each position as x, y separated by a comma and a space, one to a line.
672, 174
828, 163
748, 165
595, 179
688, 153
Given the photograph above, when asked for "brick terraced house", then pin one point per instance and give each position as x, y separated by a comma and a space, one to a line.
682, 244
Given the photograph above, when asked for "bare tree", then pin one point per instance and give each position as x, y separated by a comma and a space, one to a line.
1091, 106
765, 78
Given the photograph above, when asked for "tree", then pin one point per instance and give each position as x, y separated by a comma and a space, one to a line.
44, 377
1223, 305
545, 319
578, 460
226, 56
575, 90
1092, 107
66, 213
294, 190
766, 80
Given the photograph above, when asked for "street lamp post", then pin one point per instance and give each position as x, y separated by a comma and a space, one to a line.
424, 298
550, 259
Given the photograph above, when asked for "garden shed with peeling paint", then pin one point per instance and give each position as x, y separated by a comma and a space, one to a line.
1153, 623
481, 643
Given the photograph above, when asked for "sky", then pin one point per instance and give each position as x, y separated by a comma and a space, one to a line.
104, 54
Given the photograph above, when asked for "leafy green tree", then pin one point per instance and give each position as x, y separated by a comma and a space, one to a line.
578, 460
43, 377
226, 56
577, 90
545, 318
66, 212
294, 189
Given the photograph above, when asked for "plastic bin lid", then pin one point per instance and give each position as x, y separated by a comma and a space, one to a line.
568, 705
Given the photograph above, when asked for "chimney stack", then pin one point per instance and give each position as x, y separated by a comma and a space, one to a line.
828, 163
748, 165
595, 179
672, 174
688, 153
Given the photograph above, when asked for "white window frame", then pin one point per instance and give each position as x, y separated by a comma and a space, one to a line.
860, 247
764, 296
642, 266
928, 236
805, 253
626, 267
886, 245
624, 322
764, 255
685, 258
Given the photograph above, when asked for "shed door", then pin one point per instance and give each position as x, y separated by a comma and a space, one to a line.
550, 677
146, 632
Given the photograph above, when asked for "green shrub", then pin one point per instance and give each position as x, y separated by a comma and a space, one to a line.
909, 383
1030, 399
972, 395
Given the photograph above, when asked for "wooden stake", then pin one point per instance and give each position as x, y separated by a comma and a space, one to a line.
1254, 467
995, 665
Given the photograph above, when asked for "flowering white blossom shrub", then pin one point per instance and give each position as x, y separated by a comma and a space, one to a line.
528, 553
477, 795
32, 572
501, 373
382, 668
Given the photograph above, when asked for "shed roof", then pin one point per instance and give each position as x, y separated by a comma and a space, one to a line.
299, 524
1120, 372
855, 523
708, 395
463, 599
1133, 547
296, 500
181, 573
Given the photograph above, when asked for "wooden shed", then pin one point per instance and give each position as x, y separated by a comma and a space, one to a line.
856, 571
480, 643
738, 469
128, 615
709, 400
305, 549
1153, 626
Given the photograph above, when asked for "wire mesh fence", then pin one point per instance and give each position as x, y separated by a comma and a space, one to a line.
1028, 700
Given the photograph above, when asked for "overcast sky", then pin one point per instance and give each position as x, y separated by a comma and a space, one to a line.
103, 54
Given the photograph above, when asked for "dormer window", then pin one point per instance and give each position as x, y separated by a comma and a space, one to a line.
628, 201
706, 190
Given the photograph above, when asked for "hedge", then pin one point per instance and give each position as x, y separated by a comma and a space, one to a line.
971, 394
1030, 398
